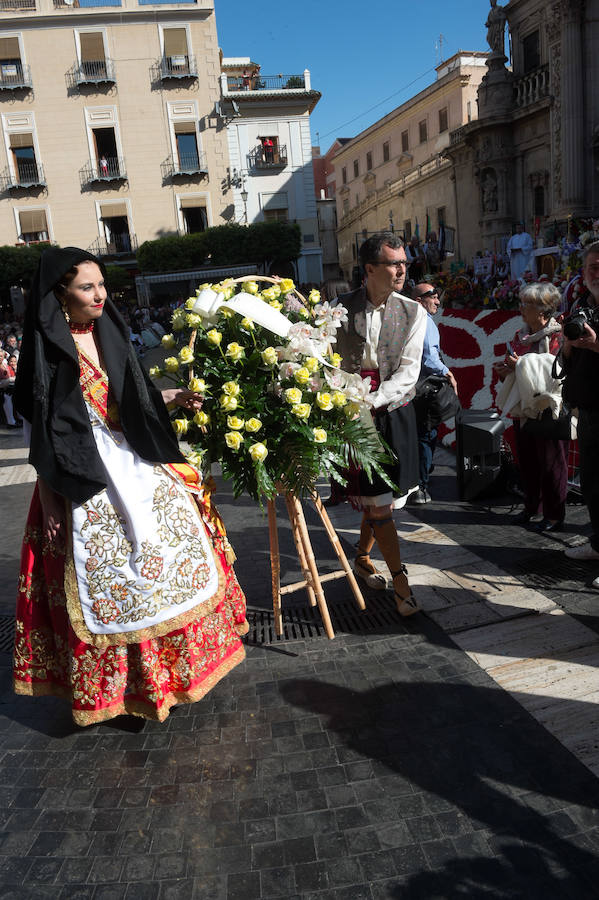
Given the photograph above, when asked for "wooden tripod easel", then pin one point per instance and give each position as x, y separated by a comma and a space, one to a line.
312, 580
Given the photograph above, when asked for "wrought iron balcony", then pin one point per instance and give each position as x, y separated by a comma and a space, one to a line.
119, 245
267, 83
14, 76
25, 175
104, 169
100, 71
532, 87
269, 158
177, 66
17, 5
187, 164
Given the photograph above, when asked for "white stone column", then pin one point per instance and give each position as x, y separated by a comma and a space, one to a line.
572, 107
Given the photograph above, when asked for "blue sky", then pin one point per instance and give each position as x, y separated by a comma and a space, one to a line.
359, 53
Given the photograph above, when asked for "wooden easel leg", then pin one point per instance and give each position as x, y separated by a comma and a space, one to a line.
334, 539
300, 549
275, 565
311, 563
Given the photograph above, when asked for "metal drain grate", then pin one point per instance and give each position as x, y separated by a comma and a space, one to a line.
303, 623
7, 633
537, 572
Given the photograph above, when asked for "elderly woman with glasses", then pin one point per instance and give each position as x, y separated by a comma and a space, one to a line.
543, 459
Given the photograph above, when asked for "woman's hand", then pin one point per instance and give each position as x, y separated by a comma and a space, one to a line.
183, 398
510, 362
53, 514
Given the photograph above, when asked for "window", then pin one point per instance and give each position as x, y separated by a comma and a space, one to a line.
356, 168
405, 142
531, 55
186, 142
469, 110
386, 151
25, 167
272, 153
275, 215
423, 131
193, 213
539, 200
407, 230
33, 225
92, 54
11, 65
369, 161
106, 162
443, 125
114, 221
344, 175
175, 51
345, 205
441, 215
275, 207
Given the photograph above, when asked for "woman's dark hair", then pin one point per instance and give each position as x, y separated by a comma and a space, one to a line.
66, 279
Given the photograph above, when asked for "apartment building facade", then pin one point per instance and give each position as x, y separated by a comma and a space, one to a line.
270, 150
394, 174
108, 133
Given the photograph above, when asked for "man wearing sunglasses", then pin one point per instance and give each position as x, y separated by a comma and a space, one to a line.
382, 340
432, 364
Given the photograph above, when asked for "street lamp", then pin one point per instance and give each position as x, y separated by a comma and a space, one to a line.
244, 196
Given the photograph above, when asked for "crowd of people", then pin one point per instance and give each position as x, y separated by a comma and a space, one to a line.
10, 346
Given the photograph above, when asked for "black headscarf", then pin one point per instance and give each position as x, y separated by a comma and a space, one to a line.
47, 392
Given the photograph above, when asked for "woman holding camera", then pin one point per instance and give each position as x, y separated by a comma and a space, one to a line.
543, 459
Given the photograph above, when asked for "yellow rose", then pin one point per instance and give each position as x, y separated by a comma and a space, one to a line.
189, 302
320, 435
247, 324
186, 355
235, 423
338, 399
314, 297
228, 404
155, 372
171, 364
269, 356
235, 351
302, 375
197, 385
286, 285
276, 291
253, 425
201, 418
233, 440
293, 395
178, 319
214, 337
258, 452
193, 320
180, 426
336, 359
323, 400
301, 410
303, 312
250, 286
194, 459
231, 388
311, 364
268, 294
275, 304
168, 341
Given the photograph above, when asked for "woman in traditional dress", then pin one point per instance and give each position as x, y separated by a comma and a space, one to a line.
127, 600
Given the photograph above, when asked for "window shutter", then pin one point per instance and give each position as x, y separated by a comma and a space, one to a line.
33, 220
175, 41
112, 210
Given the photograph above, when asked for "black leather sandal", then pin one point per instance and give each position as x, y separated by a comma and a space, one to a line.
406, 606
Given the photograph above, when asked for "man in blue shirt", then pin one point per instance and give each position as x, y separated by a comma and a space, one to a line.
432, 364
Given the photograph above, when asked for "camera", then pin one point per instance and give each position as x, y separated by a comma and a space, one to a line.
574, 324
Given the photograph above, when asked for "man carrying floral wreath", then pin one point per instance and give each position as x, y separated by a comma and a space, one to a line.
383, 340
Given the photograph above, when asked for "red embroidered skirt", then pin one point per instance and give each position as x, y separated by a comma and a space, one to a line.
144, 679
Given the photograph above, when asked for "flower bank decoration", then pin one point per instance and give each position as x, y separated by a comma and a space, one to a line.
278, 411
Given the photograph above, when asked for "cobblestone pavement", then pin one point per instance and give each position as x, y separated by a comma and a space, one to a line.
395, 761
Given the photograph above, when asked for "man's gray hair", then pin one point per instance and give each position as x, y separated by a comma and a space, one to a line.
590, 250
372, 246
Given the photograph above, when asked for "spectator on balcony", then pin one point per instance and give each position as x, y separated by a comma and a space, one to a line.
103, 163
269, 149
245, 80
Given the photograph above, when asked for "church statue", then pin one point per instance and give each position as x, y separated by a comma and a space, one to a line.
496, 28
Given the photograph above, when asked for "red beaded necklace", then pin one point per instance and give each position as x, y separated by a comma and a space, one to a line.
77, 328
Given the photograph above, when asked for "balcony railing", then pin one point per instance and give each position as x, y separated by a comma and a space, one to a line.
26, 175
456, 136
187, 164
104, 169
84, 4
14, 76
532, 87
100, 71
177, 66
269, 158
267, 83
119, 245
17, 5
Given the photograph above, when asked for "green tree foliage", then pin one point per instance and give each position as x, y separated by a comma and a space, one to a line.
18, 264
221, 246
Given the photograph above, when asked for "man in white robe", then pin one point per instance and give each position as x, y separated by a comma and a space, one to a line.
519, 250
